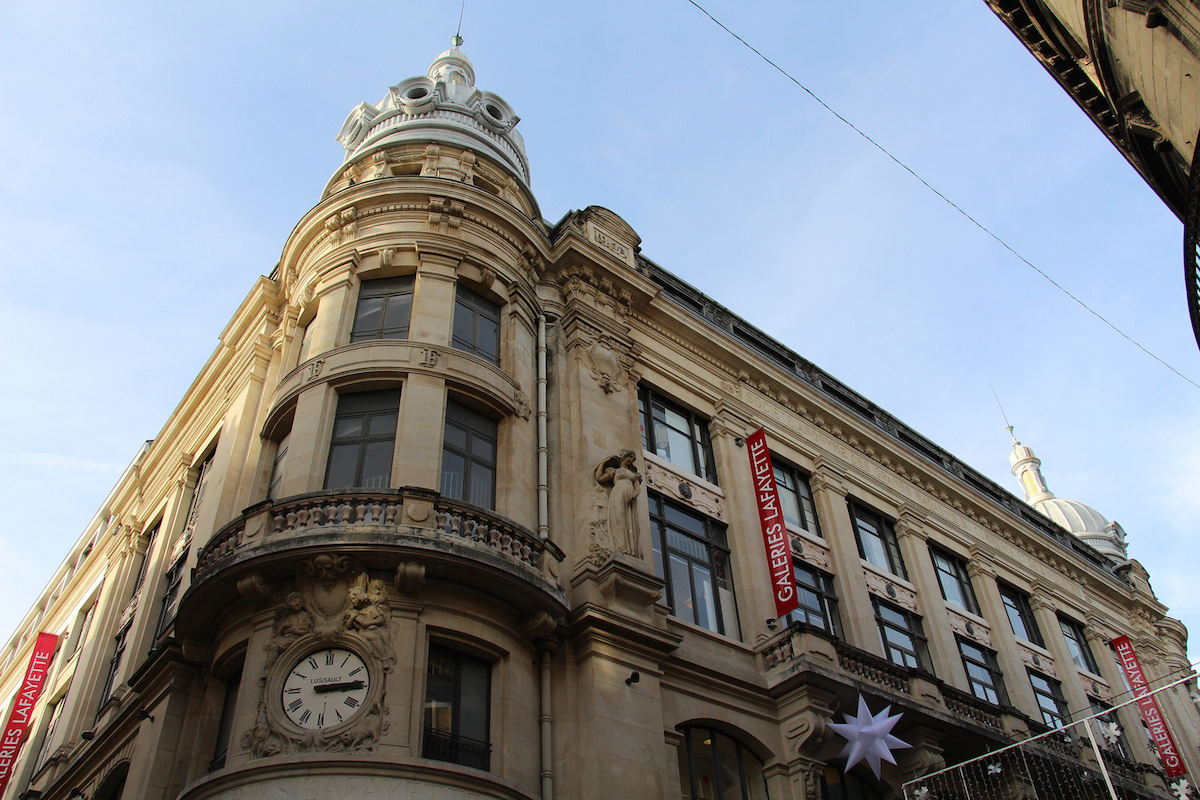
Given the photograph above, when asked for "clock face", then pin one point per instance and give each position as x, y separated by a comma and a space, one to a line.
325, 688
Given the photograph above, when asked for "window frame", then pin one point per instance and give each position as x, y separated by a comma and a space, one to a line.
700, 453
709, 535
885, 534
1016, 603
1077, 646
825, 608
366, 406
985, 661
911, 627
390, 290
1056, 718
477, 429
949, 567
454, 746
701, 762
793, 483
469, 301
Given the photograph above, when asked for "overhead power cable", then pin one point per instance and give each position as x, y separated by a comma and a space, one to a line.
943, 197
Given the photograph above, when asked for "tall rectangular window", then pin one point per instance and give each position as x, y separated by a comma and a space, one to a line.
691, 555
818, 603
277, 467
1049, 699
903, 636
982, 672
364, 436
179, 554
469, 456
954, 580
795, 496
676, 434
233, 685
476, 325
457, 705
144, 564
877, 540
114, 663
1077, 645
1020, 614
383, 311
47, 744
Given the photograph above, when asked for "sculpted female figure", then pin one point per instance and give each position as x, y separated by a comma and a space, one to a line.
621, 475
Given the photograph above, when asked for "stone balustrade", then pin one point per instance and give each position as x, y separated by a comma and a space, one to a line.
378, 511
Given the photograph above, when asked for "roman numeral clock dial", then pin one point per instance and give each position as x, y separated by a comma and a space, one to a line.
325, 688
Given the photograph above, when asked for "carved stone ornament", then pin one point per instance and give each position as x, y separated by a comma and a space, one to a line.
811, 553
879, 586
324, 582
619, 474
370, 616
969, 629
609, 367
807, 731
342, 225
668, 482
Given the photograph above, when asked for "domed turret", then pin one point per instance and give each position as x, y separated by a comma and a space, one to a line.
1085, 522
443, 106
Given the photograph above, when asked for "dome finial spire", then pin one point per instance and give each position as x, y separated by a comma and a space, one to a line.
457, 39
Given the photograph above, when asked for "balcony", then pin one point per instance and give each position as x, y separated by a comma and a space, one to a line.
384, 529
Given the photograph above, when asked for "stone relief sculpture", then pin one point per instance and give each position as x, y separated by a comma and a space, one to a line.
368, 615
621, 475
293, 622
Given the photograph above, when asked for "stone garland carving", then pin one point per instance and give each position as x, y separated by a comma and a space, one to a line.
811, 553
683, 490
969, 628
1037, 661
620, 474
880, 586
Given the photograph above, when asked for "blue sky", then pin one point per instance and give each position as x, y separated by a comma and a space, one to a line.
156, 158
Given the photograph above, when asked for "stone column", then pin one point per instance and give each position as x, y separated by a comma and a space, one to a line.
1068, 674
854, 601
1008, 652
1129, 717
943, 650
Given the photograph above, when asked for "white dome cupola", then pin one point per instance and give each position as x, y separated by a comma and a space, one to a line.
443, 106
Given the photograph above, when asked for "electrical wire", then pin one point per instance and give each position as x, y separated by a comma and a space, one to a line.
943, 197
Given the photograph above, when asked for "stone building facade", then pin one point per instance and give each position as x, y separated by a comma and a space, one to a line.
461, 507
1133, 66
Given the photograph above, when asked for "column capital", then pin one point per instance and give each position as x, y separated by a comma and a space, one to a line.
826, 479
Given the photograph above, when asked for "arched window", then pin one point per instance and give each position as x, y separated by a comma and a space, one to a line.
113, 785
838, 785
714, 766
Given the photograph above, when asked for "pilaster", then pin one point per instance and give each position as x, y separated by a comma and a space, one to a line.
854, 601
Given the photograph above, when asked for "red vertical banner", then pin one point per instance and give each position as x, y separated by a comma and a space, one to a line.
770, 516
1151, 713
22, 712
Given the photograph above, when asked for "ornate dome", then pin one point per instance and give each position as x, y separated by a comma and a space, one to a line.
1085, 522
441, 106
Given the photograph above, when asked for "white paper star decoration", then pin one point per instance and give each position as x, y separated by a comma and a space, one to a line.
868, 737
1182, 789
1111, 732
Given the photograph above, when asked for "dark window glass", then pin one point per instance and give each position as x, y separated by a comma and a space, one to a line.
469, 456
1049, 699
877, 540
953, 578
713, 766
691, 555
675, 434
277, 467
476, 325
796, 498
225, 726
1077, 645
457, 703
902, 635
47, 745
364, 436
982, 672
383, 311
114, 664
818, 603
1107, 729
1020, 615
174, 574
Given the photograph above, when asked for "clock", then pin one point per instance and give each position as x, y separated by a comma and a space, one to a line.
324, 688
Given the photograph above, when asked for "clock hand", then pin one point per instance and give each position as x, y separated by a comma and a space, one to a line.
344, 686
